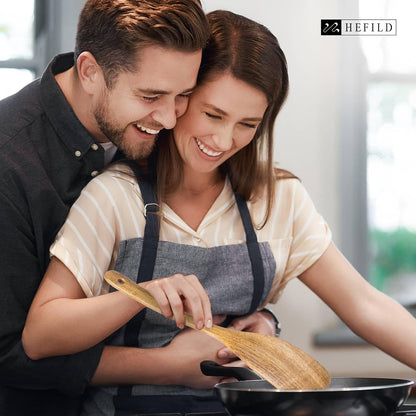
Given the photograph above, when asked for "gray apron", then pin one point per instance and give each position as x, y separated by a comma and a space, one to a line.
237, 279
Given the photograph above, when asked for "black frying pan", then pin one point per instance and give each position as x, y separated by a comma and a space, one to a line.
344, 396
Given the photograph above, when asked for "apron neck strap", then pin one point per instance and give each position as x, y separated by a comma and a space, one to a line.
253, 252
151, 239
151, 229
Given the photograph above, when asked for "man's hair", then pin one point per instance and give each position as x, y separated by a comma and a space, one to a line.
115, 31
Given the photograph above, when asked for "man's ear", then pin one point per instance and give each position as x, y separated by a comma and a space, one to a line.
90, 73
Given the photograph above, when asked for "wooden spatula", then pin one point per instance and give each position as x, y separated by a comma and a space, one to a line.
280, 363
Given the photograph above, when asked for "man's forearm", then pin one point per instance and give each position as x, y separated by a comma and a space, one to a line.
128, 365
69, 374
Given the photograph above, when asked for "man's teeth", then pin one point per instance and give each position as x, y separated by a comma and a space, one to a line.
147, 130
207, 151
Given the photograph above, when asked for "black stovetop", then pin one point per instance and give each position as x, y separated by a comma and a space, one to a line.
405, 410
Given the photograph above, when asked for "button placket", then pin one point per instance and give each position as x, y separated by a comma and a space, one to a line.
196, 239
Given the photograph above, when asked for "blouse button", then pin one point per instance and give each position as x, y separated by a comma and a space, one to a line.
94, 146
78, 153
94, 173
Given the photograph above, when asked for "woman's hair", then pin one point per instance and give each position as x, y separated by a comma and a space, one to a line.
115, 31
251, 53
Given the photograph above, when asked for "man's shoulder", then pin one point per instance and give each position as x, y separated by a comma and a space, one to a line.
19, 111
20, 115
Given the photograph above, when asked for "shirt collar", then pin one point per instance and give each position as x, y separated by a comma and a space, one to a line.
224, 201
62, 117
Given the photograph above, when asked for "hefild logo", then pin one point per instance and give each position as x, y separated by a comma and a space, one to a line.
359, 27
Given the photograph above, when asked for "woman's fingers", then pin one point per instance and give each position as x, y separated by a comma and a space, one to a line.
201, 305
173, 287
155, 288
177, 294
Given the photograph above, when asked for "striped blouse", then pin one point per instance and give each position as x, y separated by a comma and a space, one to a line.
110, 210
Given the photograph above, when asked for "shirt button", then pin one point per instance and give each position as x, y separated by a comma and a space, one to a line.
94, 173
94, 146
196, 239
78, 153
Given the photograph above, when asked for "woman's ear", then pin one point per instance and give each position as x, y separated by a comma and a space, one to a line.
90, 73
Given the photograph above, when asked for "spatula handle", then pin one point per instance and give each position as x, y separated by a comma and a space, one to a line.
138, 293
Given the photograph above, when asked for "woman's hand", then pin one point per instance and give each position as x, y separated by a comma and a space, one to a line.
178, 294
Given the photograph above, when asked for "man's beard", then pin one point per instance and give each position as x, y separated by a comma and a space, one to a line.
140, 149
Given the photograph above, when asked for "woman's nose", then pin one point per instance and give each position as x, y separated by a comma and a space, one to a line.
223, 139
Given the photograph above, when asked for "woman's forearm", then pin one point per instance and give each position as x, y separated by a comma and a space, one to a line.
65, 326
389, 326
368, 312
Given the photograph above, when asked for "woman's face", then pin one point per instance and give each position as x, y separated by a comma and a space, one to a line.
222, 117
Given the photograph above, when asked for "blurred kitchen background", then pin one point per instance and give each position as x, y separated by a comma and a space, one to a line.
348, 130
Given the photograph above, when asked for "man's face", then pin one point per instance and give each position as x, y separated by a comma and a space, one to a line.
141, 103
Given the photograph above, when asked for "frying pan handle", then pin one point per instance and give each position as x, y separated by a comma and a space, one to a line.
211, 368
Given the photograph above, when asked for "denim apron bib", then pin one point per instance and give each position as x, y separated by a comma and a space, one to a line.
237, 278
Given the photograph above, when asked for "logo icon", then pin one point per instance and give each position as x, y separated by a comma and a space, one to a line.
331, 27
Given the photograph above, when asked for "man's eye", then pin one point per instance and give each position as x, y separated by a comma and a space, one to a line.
150, 99
184, 95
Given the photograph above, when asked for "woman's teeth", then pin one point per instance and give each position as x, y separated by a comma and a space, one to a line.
147, 130
207, 151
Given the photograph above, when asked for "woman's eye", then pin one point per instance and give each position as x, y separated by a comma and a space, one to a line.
215, 117
250, 126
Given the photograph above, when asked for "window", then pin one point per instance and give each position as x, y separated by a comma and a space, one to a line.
391, 150
17, 63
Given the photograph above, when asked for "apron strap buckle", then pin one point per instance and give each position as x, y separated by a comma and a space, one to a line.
152, 207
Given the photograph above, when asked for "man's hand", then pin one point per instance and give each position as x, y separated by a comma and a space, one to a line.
258, 322
188, 349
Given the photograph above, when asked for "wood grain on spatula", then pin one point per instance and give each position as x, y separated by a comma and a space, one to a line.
282, 364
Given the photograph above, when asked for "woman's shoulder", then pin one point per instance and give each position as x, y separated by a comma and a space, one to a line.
117, 171
285, 180
116, 182
290, 192
280, 173
114, 176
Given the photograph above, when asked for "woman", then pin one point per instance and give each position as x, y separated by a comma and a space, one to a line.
226, 216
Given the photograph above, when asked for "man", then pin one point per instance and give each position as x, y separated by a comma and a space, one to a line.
136, 62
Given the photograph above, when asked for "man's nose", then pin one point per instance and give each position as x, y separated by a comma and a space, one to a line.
166, 114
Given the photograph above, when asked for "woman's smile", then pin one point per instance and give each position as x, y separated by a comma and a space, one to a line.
222, 117
206, 150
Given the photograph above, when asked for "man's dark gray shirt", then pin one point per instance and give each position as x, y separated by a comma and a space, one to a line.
46, 158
